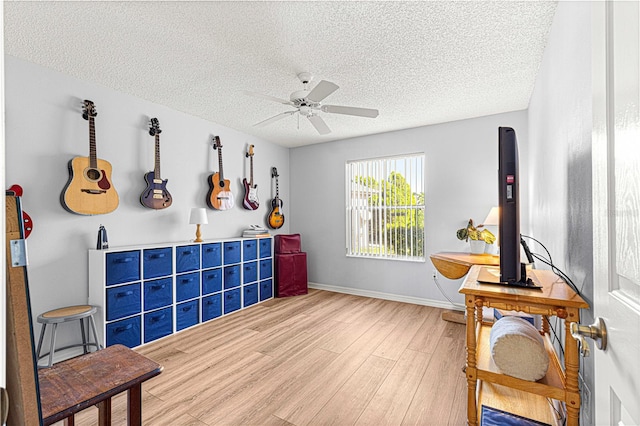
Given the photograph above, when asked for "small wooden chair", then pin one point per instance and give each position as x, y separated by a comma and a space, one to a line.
61, 315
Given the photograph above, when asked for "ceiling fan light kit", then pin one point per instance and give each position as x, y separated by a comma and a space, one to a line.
308, 103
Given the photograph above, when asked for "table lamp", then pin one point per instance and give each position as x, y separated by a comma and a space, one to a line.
493, 220
198, 217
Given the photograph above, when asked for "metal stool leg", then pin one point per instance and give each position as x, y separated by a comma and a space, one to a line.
84, 336
42, 330
53, 343
95, 333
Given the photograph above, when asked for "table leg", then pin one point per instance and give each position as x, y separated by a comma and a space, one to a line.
134, 406
470, 370
70, 421
572, 366
104, 412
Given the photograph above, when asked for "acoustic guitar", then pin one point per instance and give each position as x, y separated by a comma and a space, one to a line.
155, 196
219, 196
276, 218
89, 190
250, 201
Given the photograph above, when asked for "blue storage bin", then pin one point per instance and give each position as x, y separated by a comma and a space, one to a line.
249, 272
231, 300
187, 258
249, 250
158, 324
122, 267
265, 247
158, 293
231, 252
211, 255
211, 307
211, 281
266, 289
266, 269
250, 294
231, 276
157, 262
124, 332
187, 286
187, 314
123, 301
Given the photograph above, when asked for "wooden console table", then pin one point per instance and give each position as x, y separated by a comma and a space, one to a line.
92, 379
455, 265
486, 384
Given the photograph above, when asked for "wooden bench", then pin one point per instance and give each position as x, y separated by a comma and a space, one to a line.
92, 379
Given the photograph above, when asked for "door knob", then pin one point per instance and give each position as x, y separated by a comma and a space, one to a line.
596, 331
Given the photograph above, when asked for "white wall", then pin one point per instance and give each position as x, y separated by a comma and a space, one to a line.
45, 129
560, 149
461, 183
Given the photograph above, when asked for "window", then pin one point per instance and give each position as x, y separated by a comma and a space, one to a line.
385, 208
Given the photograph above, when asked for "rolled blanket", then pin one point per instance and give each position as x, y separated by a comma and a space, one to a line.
518, 349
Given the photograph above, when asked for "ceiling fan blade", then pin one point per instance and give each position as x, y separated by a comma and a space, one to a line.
322, 90
274, 118
267, 97
361, 112
319, 124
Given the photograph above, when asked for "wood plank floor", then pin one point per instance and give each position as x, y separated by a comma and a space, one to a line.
320, 359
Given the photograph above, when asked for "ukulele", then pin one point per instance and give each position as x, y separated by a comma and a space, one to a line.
250, 201
89, 190
26, 219
276, 218
219, 196
155, 196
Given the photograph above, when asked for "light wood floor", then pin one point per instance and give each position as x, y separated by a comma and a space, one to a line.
323, 358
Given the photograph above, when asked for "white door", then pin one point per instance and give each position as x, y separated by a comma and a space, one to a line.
3, 303
616, 208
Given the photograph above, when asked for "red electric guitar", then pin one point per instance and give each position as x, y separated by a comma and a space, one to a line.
250, 201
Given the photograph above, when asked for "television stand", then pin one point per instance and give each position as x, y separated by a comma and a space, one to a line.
486, 385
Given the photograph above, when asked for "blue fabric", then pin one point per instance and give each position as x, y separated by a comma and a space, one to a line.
494, 417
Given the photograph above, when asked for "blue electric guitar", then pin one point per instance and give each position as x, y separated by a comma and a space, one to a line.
155, 196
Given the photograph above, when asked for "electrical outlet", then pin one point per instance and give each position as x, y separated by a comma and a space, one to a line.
585, 402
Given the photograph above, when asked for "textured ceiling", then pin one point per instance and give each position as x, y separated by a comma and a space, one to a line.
418, 63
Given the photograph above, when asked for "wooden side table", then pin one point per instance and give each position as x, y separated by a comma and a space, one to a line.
455, 265
486, 384
92, 379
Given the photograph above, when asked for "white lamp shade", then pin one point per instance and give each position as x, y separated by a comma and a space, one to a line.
198, 216
493, 218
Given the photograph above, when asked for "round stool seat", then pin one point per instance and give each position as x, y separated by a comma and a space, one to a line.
70, 313
66, 314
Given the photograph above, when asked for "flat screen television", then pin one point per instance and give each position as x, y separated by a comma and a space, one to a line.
512, 271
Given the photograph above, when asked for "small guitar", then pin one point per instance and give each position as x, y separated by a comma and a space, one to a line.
26, 219
89, 190
250, 201
155, 196
276, 218
219, 196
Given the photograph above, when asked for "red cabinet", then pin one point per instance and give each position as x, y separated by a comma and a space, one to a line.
291, 266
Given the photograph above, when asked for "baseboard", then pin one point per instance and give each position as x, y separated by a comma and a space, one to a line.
385, 296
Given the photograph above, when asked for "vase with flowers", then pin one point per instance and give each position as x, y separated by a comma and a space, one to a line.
478, 238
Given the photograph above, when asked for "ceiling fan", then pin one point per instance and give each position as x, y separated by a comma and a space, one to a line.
308, 103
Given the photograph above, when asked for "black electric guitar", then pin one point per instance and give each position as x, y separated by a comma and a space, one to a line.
220, 196
276, 218
155, 196
250, 201
89, 189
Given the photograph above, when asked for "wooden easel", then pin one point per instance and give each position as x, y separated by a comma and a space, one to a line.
22, 374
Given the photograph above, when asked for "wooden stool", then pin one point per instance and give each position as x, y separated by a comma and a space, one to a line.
70, 313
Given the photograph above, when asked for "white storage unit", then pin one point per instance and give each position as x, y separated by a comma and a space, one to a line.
147, 292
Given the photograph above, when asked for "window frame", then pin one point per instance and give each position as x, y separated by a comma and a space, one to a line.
381, 169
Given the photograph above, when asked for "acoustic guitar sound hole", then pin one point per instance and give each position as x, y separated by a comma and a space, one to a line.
93, 174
